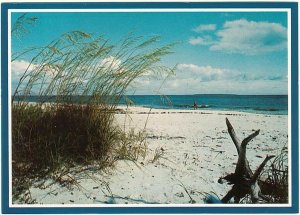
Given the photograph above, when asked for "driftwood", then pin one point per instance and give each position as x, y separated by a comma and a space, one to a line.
243, 179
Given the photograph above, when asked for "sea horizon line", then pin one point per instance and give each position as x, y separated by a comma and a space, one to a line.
198, 94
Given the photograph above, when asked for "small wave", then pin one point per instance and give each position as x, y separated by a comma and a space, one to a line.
266, 109
203, 106
180, 106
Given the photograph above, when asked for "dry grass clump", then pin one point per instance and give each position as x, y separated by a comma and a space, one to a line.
159, 153
276, 183
84, 78
44, 139
131, 146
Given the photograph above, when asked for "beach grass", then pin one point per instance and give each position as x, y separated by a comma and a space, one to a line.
85, 77
277, 178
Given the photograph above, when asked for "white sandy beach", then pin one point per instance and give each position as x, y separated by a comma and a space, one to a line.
196, 150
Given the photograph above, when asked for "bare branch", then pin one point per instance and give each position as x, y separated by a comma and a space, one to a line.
242, 166
237, 144
233, 136
229, 195
243, 180
261, 167
249, 138
255, 190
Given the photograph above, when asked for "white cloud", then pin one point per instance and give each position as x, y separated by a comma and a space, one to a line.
247, 37
193, 86
193, 79
208, 27
111, 62
201, 41
18, 67
206, 73
209, 73
207, 79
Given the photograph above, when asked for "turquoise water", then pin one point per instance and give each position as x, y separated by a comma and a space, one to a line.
265, 104
268, 104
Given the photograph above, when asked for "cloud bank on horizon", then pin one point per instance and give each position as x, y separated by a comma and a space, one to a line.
233, 54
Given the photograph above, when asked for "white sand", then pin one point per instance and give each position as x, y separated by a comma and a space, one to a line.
197, 151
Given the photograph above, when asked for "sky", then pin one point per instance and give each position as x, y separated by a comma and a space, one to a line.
215, 52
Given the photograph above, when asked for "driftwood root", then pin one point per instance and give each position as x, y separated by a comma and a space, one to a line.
243, 179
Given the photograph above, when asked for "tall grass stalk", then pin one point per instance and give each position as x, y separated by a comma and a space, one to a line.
84, 78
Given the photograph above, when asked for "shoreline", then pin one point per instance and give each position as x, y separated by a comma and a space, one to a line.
142, 110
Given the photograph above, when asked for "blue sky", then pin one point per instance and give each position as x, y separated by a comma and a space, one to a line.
216, 52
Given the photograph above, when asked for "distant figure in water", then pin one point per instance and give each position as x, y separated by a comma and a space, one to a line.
195, 105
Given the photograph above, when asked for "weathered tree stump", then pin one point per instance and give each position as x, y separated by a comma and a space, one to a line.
243, 179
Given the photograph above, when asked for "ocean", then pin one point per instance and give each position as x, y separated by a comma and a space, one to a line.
263, 104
